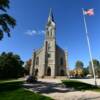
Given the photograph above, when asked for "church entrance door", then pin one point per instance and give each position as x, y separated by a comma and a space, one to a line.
36, 72
48, 71
62, 72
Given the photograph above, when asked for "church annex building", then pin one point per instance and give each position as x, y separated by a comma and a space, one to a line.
50, 60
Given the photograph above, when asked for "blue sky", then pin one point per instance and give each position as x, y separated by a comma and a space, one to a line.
31, 16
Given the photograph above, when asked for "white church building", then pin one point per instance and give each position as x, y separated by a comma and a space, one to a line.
50, 60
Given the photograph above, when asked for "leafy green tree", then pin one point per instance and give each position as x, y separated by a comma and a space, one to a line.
6, 21
80, 71
10, 66
79, 64
86, 71
27, 66
96, 64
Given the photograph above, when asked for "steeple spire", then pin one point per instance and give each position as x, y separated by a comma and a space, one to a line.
51, 18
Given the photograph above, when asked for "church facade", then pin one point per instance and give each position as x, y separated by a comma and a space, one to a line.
51, 59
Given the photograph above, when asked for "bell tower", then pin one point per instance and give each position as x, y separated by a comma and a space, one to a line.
50, 45
50, 27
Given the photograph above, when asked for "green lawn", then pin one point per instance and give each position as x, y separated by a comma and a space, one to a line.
13, 91
10, 80
77, 85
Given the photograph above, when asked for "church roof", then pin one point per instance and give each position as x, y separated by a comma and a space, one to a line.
39, 50
58, 47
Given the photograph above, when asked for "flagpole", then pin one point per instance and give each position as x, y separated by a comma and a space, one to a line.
89, 47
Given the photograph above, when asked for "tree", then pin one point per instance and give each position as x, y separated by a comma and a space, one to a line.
6, 21
10, 66
79, 64
79, 70
71, 73
86, 71
96, 64
27, 66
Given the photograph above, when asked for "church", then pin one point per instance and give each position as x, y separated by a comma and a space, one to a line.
50, 60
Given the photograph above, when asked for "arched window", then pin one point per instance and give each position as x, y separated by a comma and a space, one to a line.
48, 46
49, 55
37, 60
61, 61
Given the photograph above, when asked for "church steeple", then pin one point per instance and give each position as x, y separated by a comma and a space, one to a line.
50, 27
50, 17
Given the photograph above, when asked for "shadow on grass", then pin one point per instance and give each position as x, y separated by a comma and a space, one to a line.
14, 90
77, 85
8, 86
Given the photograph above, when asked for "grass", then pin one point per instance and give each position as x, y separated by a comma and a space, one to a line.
9, 80
81, 86
10, 85
14, 90
21, 94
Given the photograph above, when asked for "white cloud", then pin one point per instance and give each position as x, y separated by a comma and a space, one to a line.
31, 32
34, 32
41, 32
